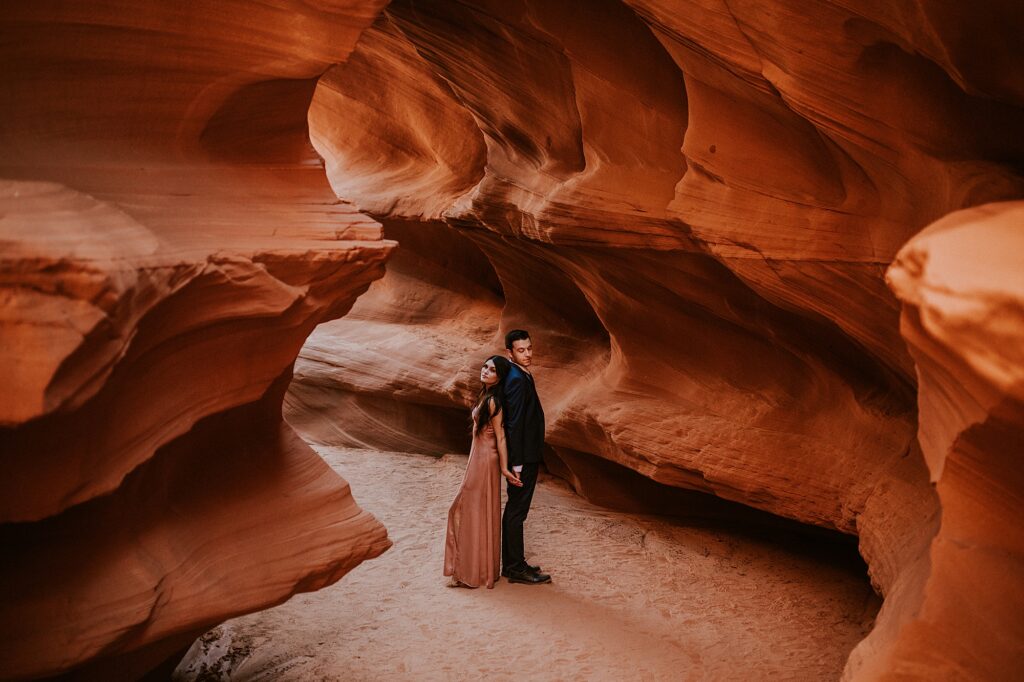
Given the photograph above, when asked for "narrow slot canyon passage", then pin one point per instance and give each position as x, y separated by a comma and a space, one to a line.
769, 254
633, 597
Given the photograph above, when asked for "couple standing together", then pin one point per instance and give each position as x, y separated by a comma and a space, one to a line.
508, 440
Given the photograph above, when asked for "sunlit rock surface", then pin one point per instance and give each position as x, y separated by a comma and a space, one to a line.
692, 206
169, 240
961, 282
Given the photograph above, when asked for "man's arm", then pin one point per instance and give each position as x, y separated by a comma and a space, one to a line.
515, 402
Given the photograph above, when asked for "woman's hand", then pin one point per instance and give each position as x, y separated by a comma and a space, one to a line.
512, 478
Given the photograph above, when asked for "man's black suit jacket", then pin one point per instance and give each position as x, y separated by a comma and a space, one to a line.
524, 419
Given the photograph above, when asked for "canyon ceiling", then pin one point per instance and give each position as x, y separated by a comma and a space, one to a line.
772, 252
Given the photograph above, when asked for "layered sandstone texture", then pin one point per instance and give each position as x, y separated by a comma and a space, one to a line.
961, 282
692, 206
168, 240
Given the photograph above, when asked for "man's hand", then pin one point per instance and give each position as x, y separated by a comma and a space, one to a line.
512, 478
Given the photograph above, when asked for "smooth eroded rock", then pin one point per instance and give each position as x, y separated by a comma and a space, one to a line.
169, 240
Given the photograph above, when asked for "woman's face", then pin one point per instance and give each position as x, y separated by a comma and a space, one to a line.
488, 374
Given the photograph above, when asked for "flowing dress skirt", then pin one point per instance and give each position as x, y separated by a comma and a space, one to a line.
472, 549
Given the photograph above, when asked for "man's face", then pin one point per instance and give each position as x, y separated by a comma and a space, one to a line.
522, 352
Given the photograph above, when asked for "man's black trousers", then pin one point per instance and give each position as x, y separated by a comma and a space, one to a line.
516, 509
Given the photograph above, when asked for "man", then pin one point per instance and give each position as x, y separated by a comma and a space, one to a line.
524, 438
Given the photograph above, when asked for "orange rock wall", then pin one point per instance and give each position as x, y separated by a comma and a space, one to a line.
692, 206
961, 284
169, 240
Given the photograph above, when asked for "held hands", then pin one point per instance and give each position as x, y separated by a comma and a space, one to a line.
512, 478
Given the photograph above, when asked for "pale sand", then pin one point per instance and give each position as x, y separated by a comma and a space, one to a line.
634, 598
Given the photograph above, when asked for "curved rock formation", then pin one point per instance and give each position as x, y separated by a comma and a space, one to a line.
962, 288
692, 206
169, 241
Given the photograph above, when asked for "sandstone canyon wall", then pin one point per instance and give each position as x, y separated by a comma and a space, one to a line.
692, 205
961, 282
169, 240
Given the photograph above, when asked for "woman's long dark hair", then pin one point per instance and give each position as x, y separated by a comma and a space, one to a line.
491, 394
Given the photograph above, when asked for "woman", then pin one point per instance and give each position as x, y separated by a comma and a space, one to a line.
472, 550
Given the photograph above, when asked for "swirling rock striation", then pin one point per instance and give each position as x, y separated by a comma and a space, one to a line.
962, 288
169, 241
692, 206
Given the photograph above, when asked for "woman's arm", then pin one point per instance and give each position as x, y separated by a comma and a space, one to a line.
497, 421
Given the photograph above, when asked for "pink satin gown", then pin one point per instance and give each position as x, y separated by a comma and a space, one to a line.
472, 549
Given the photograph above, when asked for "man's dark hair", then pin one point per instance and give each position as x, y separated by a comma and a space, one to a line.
515, 335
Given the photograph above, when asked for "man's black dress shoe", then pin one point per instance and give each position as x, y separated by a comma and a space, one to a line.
526, 577
528, 567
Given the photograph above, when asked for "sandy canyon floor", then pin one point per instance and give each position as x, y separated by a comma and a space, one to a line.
634, 597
